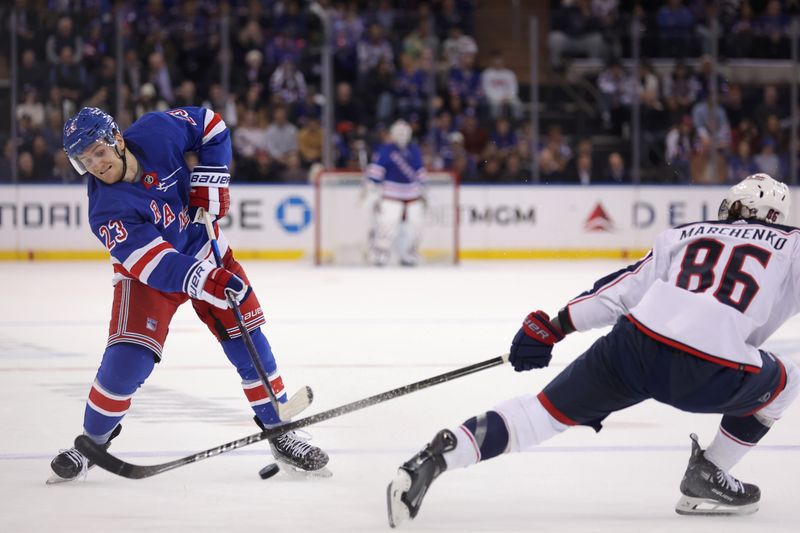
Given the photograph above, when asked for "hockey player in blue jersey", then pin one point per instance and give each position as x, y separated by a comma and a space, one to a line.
396, 183
142, 203
689, 320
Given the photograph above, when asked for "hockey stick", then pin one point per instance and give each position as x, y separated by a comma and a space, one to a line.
300, 399
99, 455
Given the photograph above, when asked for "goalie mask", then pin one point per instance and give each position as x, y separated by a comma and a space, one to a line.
400, 133
84, 129
758, 196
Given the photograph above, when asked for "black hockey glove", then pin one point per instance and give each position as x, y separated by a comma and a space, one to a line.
532, 346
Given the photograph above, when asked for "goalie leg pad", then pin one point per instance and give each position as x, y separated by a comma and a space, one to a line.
386, 224
410, 236
123, 370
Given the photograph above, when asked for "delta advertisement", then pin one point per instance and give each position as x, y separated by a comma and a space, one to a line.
495, 222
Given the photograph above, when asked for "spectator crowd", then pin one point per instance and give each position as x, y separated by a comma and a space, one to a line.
416, 60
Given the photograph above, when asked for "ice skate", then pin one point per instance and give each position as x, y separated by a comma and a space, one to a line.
71, 465
404, 495
298, 458
708, 490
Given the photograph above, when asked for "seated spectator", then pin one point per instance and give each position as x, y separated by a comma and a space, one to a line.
555, 146
767, 160
584, 165
69, 75
186, 94
281, 137
422, 38
769, 105
503, 139
42, 158
250, 136
675, 24
615, 171
680, 90
25, 168
309, 106
253, 72
499, 86
31, 75
457, 44
293, 171
734, 105
346, 111
370, 50
32, 107
771, 32
410, 91
616, 93
712, 123
159, 75
491, 171
309, 142
64, 37
583, 169
288, 82
465, 82
575, 30
476, 138
377, 92
516, 171
681, 145
740, 34
741, 164
63, 171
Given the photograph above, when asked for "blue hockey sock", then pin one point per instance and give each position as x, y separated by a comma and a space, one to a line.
124, 368
237, 353
746, 429
489, 434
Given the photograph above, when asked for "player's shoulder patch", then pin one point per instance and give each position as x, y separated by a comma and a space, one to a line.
182, 114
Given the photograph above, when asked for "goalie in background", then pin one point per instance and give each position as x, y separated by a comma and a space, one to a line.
396, 194
689, 320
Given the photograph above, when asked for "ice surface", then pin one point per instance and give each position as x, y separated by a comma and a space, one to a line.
348, 333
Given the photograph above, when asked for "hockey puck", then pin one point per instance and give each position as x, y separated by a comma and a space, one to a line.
269, 471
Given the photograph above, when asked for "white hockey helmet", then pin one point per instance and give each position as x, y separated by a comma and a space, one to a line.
758, 196
400, 133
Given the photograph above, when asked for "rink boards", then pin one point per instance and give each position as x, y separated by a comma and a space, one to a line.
495, 222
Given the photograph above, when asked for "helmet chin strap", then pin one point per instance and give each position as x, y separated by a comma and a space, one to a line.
124, 161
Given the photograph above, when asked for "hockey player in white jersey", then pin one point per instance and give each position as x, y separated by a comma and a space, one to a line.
689, 319
396, 188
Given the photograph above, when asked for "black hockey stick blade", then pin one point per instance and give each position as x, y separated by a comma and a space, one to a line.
99, 455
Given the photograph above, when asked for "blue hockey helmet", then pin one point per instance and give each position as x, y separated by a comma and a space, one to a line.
84, 129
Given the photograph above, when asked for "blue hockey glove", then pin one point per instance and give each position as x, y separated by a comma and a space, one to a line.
532, 346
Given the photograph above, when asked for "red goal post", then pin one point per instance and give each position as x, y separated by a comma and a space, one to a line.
342, 220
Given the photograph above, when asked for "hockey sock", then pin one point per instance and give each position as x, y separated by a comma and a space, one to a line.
237, 353
124, 368
479, 438
529, 423
736, 436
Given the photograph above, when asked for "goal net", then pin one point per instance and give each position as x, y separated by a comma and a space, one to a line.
343, 220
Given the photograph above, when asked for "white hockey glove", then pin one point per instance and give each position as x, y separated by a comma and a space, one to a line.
212, 284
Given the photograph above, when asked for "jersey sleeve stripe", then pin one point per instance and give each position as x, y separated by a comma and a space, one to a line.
213, 125
614, 279
375, 172
144, 275
147, 258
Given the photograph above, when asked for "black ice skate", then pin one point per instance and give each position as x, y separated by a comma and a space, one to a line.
404, 495
708, 490
71, 465
296, 456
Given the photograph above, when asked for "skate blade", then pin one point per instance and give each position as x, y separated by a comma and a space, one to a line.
55, 479
397, 510
292, 472
705, 507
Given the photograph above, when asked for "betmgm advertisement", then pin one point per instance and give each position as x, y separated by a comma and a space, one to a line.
44, 222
